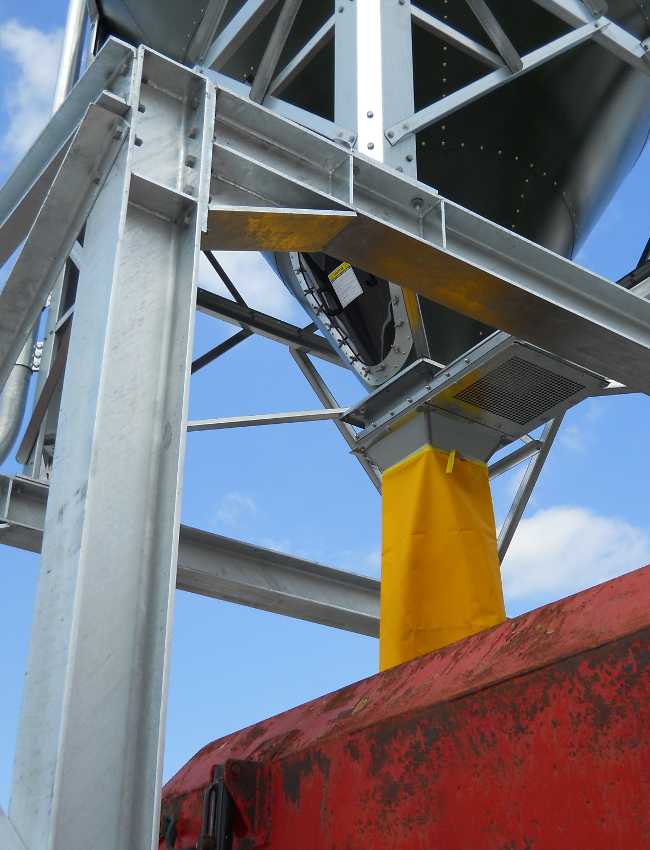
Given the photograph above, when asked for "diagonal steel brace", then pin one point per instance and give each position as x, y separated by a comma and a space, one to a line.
72, 195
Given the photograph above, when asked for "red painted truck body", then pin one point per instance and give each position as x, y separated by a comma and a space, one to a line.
533, 735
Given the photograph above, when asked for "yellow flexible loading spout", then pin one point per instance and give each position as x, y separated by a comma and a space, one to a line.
441, 578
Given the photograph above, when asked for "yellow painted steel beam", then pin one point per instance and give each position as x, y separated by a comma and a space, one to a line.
272, 228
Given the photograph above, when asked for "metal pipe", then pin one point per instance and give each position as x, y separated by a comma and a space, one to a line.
73, 42
13, 400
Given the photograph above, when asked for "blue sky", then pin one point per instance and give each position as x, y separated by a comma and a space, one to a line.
296, 488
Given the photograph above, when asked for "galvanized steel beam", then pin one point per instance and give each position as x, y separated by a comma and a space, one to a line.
304, 56
328, 129
373, 76
78, 182
89, 752
265, 419
514, 459
274, 48
9, 838
496, 34
25, 189
265, 325
527, 486
236, 32
458, 259
326, 398
205, 33
272, 581
611, 36
491, 82
216, 566
451, 36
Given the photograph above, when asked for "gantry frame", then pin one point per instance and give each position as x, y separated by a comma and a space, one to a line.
133, 155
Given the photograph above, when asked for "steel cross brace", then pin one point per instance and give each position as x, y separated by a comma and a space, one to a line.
573, 12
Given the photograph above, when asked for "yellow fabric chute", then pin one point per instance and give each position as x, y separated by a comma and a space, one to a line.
441, 578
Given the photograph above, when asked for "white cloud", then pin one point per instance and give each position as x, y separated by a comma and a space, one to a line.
596, 409
282, 544
27, 96
260, 287
564, 549
365, 563
575, 438
232, 506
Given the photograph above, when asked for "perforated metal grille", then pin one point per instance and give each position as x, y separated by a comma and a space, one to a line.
519, 391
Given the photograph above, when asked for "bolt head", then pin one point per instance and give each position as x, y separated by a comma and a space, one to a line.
417, 203
390, 134
235, 770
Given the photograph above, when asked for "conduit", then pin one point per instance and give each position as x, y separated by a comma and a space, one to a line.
13, 399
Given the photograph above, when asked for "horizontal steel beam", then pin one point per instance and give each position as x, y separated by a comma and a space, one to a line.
514, 459
317, 123
265, 419
406, 232
272, 581
254, 228
216, 566
265, 325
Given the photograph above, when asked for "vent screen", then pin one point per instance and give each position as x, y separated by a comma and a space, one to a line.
519, 391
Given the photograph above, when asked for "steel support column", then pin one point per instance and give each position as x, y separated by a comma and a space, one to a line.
373, 85
89, 753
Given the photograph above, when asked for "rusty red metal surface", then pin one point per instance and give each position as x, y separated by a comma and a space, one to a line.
533, 734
